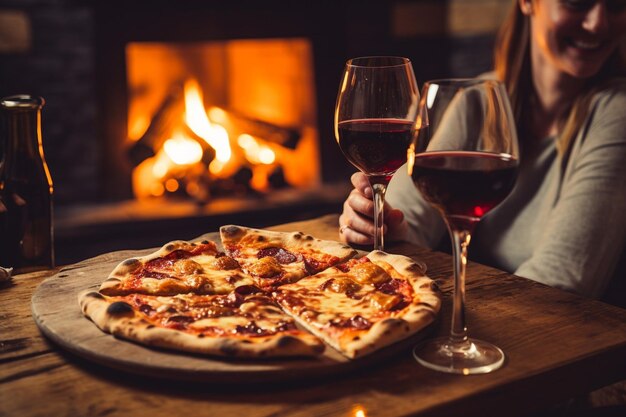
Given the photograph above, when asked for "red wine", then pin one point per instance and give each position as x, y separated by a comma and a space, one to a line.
465, 184
375, 146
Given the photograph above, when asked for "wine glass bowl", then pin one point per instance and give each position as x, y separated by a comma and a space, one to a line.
463, 160
374, 117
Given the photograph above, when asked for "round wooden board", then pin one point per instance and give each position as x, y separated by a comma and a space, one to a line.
57, 314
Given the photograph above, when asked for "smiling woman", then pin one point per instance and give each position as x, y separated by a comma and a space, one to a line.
563, 223
574, 37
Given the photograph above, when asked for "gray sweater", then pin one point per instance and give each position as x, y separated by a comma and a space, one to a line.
564, 223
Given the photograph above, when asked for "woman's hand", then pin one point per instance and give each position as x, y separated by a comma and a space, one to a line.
356, 223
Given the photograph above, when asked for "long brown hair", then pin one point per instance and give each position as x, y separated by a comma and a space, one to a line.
512, 67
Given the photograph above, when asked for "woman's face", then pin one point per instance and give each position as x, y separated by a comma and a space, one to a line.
575, 36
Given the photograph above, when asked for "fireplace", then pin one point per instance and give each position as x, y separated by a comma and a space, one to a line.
266, 75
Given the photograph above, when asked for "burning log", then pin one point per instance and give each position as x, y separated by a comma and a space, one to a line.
270, 132
166, 118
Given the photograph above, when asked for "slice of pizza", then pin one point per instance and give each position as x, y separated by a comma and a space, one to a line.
244, 323
364, 304
178, 267
277, 258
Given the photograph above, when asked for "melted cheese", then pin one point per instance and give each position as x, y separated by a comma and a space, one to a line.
204, 274
316, 299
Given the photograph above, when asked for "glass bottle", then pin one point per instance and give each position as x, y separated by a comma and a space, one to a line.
26, 232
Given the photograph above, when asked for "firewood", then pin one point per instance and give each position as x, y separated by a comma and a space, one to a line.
168, 116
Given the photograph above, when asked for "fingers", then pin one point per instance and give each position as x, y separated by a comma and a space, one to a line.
360, 182
351, 229
360, 204
357, 219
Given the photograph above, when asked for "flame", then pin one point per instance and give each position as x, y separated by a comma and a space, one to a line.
198, 121
161, 164
216, 166
255, 152
182, 150
138, 127
359, 411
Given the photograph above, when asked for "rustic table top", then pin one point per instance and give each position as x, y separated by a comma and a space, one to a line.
558, 345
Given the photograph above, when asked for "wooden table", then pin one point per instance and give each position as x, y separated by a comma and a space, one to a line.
558, 345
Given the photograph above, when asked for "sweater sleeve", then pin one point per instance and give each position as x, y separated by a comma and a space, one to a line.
426, 227
585, 232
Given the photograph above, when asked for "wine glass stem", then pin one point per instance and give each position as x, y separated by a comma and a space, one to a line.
379, 189
461, 237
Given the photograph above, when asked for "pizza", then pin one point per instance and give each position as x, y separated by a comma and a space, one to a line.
364, 304
178, 267
276, 258
259, 293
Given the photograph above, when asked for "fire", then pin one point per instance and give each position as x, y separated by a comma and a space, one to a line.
182, 150
229, 129
255, 152
198, 121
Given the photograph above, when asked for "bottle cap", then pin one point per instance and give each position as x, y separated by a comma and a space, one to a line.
22, 101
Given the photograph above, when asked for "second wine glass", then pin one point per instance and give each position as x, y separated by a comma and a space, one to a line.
464, 162
375, 110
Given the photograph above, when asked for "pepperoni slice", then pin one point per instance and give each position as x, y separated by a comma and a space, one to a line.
179, 322
281, 255
312, 266
396, 287
251, 329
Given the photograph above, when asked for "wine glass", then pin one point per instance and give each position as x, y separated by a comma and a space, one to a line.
376, 108
464, 161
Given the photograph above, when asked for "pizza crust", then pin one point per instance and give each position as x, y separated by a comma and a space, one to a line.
121, 320
260, 239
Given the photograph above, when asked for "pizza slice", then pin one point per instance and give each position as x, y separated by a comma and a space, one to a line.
364, 304
178, 267
242, 324
277, 258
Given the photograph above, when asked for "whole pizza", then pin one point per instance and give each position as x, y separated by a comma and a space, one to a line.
260, 293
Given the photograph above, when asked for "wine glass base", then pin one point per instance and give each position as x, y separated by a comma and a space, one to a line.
471, 357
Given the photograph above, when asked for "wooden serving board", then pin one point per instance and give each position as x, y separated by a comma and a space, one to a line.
57, 313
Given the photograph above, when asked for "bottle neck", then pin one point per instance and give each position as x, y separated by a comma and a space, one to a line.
22, 141
24, 132
21, 153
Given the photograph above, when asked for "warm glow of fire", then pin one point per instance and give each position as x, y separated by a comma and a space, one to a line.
198, 121
359, 411
255, 152
216, 166
182, 150
161, 164
267, 81
216, 114
171, 185
138, 127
